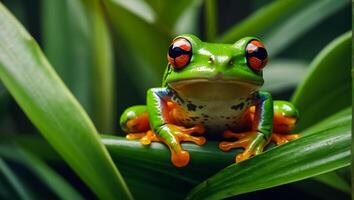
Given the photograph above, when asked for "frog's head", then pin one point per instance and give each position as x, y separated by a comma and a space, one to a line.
196, 66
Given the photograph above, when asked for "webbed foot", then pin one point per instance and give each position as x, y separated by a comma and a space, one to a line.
172, 135
280, 138
252, 142
180, 157
145, 138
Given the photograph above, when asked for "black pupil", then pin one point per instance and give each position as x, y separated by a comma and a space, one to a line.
259, 53
174, 52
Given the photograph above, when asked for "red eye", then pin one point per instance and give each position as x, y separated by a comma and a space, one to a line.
180, 53
256, 55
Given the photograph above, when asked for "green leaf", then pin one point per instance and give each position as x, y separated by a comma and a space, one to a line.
20, 189
139, 8
283, 74
69, 53
187, 22
327, 86
210, 20
48, 176
166, 15
142, 46
51, 178
334, 180
157, 158
82, 54
318, 151
51, 107
262, 19
312, 187
298, 24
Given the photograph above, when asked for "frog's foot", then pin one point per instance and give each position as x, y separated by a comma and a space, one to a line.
252, 142
180, 157
184, 134
145, 138
280, 138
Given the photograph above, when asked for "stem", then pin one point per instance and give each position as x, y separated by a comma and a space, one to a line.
210, 19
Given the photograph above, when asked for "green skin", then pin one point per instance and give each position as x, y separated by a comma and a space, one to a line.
217, 83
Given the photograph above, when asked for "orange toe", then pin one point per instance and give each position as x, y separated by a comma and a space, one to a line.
134, 136
180, 159
280, 139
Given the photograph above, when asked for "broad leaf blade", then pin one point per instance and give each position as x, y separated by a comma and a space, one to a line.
41, 170
51, 107
281, 74
321, 150
82, 55
53, 180
260, 20
143, 46
69, 53
327, 87
283, 35
334, 180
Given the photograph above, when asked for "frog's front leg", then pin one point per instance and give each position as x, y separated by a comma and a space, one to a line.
255, 140
163, 124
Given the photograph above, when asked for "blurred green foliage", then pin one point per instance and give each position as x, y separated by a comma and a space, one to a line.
109, 52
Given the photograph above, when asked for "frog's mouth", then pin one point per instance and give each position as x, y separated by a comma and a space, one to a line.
213, 89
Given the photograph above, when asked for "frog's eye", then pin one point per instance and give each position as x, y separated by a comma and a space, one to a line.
256, 55
180, 53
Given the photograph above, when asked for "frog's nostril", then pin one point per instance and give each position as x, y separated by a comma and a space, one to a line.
231, 62
211, 59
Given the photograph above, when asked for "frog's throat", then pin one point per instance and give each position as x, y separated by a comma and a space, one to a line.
213, 90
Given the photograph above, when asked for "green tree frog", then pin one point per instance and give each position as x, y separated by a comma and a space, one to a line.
212, 88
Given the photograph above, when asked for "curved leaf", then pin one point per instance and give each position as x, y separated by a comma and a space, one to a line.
284, 34
82, 54
48, 176
283, 74
327, 86
20, 189
334, 180
320, 150
51, 107
187, 22
261, 19
141, 45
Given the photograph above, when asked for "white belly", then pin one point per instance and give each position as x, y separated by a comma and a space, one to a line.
215, 115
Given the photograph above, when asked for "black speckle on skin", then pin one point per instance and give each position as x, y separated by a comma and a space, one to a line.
200, 107
238, 106
178, 98
194, 118
191, 107
227, 117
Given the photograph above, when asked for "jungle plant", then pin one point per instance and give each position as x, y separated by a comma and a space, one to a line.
100, 56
